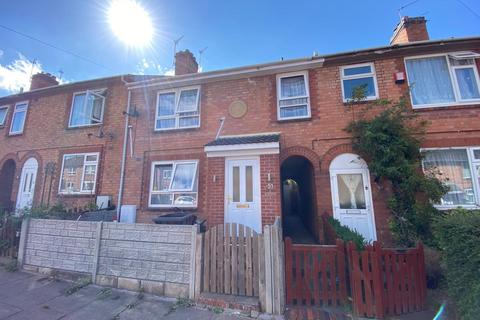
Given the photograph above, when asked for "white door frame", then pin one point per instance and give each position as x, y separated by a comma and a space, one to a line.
354, 164
30, 165
257, 180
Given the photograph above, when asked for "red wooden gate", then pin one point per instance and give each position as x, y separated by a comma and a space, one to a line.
315, 275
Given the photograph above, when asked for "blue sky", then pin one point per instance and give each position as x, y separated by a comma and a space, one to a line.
236, 33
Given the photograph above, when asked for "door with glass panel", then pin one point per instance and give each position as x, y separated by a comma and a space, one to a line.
352, 201
26, 187
242, 203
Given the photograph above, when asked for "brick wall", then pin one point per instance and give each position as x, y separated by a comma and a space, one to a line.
156, 257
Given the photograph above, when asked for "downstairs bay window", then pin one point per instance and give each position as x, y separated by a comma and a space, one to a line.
459, 169
174, 184
79, 173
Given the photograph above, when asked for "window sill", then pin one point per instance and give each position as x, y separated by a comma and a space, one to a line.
446, 208
450, 105
84, 127
170, 209
15, 134
294, 119
175, 130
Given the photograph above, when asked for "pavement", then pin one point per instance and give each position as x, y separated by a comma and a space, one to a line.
26, 296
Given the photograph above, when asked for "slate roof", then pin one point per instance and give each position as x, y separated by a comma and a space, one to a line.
224, 141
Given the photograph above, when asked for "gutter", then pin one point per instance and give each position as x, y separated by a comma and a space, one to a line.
124, 154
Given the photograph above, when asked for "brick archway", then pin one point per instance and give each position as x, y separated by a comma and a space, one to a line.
303, 152
8, 168
332, 153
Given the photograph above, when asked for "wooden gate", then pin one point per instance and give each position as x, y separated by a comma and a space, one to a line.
9, 236
315, 275
231, 261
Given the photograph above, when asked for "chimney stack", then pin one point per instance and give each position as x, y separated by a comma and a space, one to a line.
410, 29
43, 80
185, 63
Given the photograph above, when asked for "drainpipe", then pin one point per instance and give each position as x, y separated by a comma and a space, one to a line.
124, 155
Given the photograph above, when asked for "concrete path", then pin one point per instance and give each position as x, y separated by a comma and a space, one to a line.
25, 296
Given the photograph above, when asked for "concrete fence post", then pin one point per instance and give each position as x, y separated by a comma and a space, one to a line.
22, 246
96, 252
193, 279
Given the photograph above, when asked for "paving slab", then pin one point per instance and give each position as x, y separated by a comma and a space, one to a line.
35, 295
7, 310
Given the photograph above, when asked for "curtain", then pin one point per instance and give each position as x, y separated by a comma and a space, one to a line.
293, 87
429, 80
350, 191
80, 114
467, 83
188, 122
291, 112
166, 104
453, 168
188, 100
183, 176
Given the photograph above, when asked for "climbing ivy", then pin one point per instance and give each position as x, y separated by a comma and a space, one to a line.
390, 143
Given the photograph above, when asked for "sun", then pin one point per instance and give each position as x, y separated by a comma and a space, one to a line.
130, 22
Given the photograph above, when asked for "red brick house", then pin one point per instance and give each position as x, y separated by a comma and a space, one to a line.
253, 143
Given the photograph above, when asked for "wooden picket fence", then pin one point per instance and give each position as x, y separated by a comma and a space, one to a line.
387, 282
315, 275
9, 236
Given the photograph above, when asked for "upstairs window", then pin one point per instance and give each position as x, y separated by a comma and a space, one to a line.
18, 118
3, 115
443, 80
178, 109
359, 77
174, 184
87, 108
293, 96
79, 173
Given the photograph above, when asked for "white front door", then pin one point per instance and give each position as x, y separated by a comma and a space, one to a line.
352, 201
242, 192
26, 187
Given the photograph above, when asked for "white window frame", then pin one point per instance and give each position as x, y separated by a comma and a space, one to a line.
13, 117
371, 74
453, 79
178, 115
170, 190
279, 94
4, 120
96, 92
475, 179
85, 163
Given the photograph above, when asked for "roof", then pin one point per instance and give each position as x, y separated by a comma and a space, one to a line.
244, 139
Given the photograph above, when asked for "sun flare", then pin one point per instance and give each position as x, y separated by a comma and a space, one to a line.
130, 22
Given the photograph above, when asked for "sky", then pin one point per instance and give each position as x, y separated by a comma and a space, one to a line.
236, 33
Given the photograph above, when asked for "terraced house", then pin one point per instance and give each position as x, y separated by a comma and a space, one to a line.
247, 144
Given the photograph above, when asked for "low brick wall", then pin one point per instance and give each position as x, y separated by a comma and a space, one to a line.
158, 258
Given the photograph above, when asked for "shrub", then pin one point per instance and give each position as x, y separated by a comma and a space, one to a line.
458, 235
347, 234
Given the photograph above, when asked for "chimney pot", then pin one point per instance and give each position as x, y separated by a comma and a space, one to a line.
410, 29
43, 80
185, 63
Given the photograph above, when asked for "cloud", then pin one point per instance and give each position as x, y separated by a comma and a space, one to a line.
1, 53
16, 75
146, 66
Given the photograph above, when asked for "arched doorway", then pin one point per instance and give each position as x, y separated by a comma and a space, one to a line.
298, 199
7, 174
351, 194
26, 187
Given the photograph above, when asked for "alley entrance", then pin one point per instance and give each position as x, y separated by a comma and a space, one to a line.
298, 200
7, 174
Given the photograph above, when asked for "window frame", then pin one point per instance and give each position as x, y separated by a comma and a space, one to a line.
279, 94
177, 114
13, 133
453, 80
87, 92
2, 123
476, 179
372, 74
85, 163
174, 164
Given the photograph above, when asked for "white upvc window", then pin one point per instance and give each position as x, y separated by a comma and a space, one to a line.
18, 118
174, 184
443, 80
293, 98
459, 169
359, 76
79, 173
178, 109
3, 115
87, 108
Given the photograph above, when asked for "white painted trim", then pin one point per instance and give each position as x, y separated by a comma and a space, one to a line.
255, 70
359, 76
247, 149
87, 92
12, 133
453, 81
279, 94
177, 115
7, 107
85, 163
26, 166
